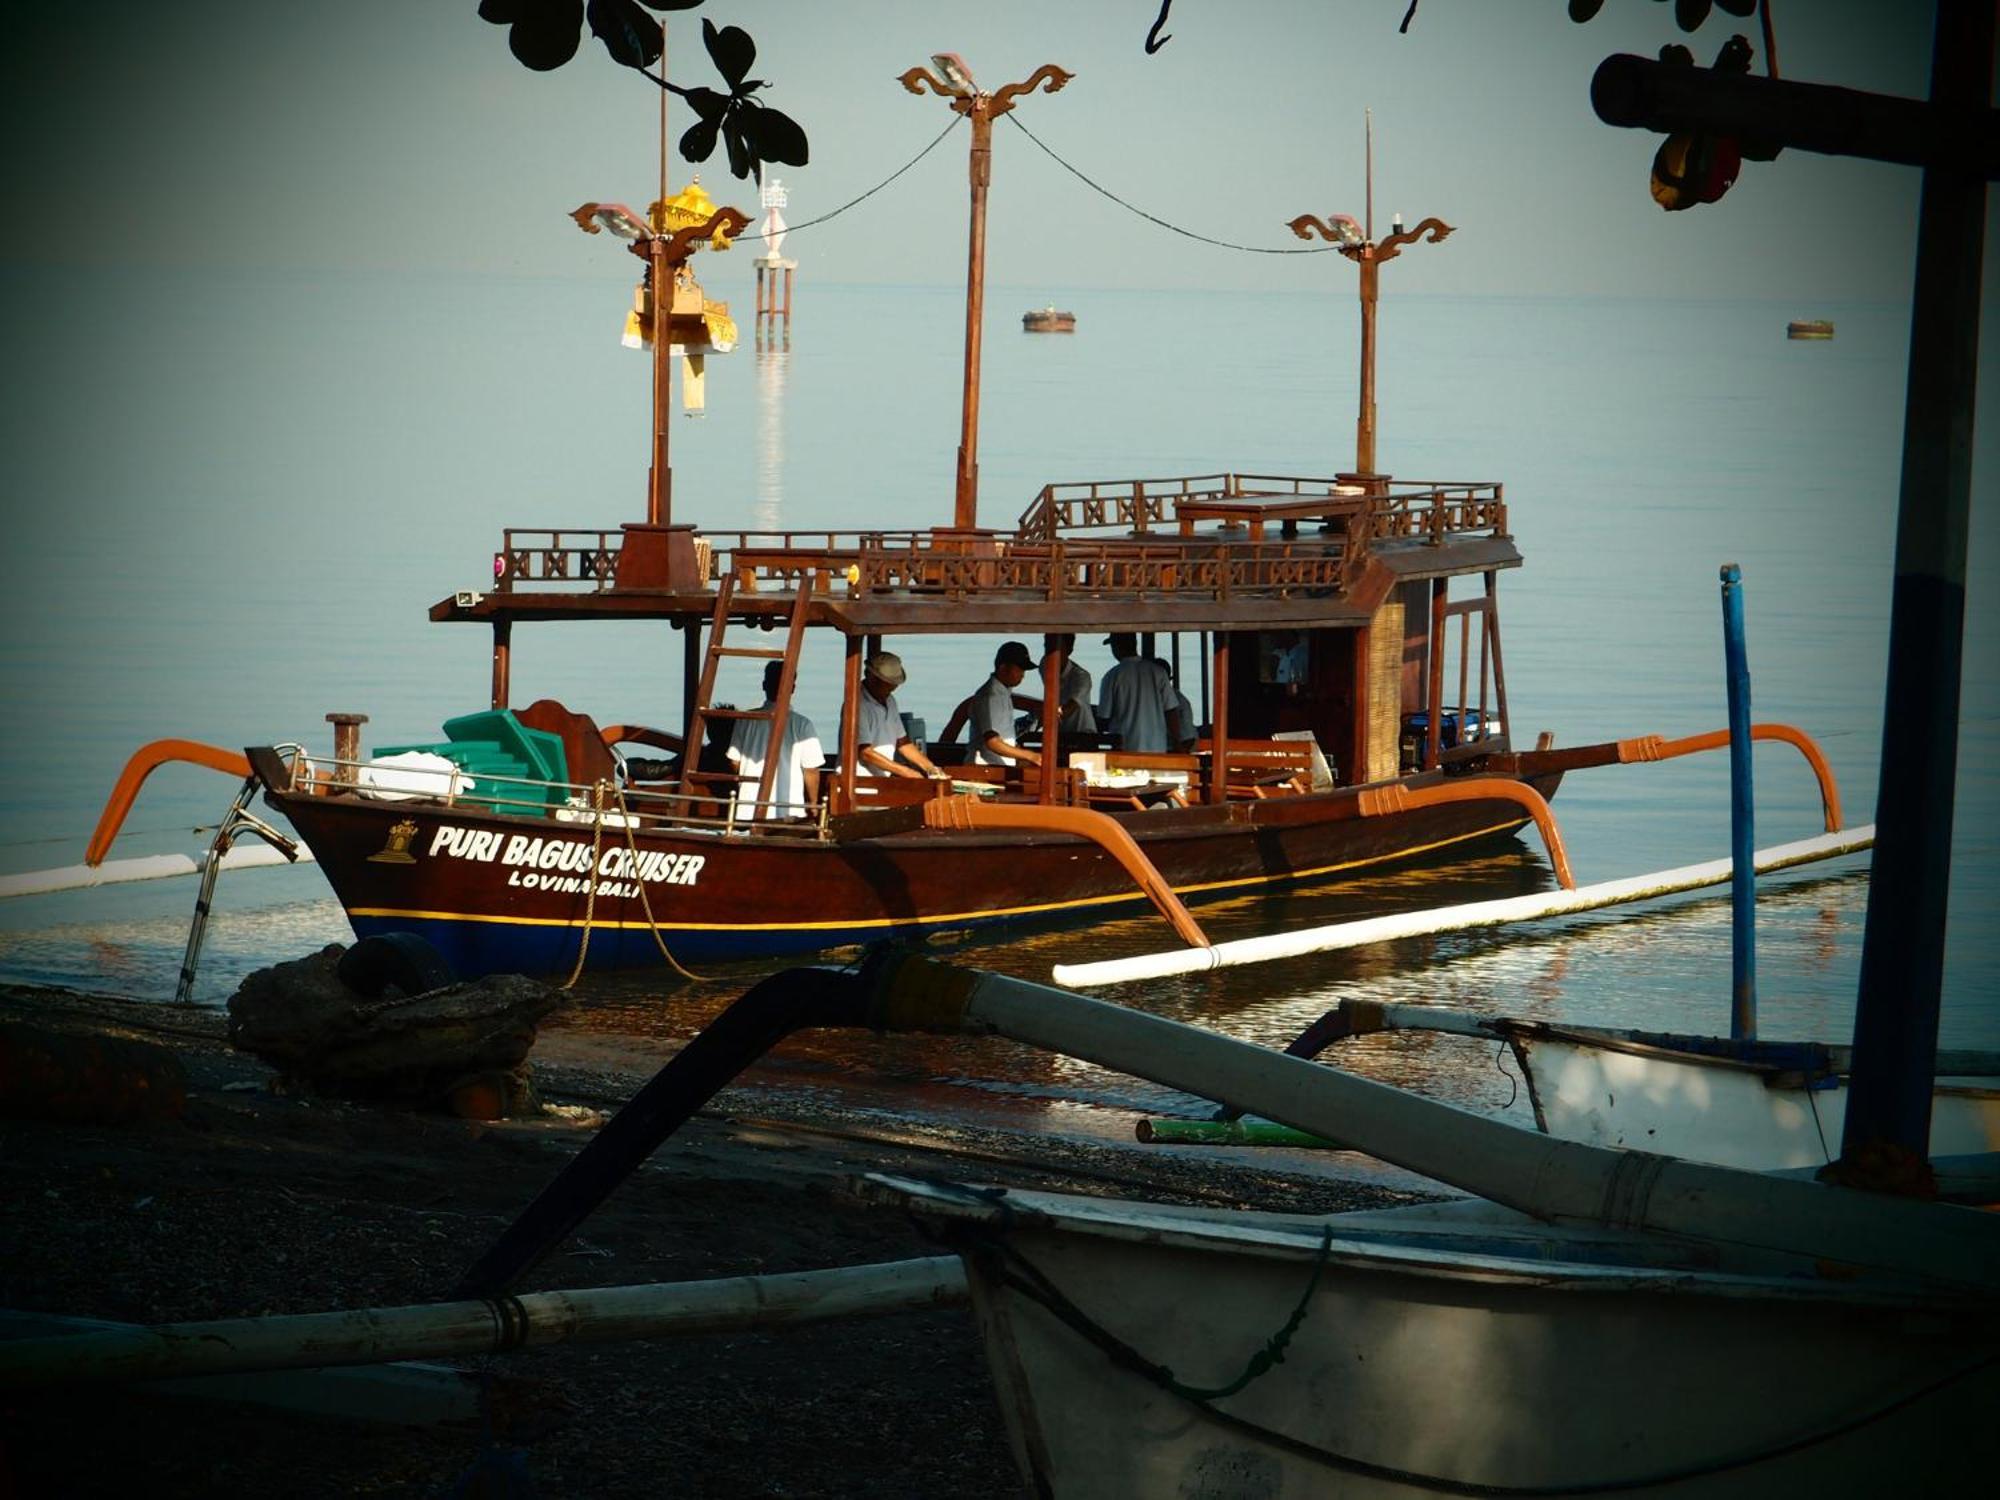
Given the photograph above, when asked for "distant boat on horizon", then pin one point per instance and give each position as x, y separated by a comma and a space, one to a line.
1809, 328
1048, 320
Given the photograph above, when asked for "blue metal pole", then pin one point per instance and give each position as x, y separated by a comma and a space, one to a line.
1742, 816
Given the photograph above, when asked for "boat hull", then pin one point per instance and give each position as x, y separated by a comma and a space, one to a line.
1716, 1110
499, 893
1442, 1357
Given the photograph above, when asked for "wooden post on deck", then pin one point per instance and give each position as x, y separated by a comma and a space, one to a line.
1434, 693
850, 724
503, 638
1052, 668
1218, 763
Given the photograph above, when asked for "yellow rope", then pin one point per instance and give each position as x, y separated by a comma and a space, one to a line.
645, 900
590, 899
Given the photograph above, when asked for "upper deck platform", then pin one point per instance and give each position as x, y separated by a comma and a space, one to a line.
1230, 549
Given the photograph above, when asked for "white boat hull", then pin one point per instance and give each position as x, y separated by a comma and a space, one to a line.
1713, 1110
1457, 1351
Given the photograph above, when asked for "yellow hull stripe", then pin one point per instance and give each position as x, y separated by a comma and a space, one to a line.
944, 919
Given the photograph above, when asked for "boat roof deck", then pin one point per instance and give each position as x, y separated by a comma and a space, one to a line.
1233, 550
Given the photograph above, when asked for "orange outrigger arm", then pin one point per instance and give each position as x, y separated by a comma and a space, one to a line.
1394, 798
1652, 747
145, 760
971, 812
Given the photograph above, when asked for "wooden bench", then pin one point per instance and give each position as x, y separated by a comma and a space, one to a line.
1265, 768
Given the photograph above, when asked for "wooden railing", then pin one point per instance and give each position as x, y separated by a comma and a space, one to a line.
1277, 535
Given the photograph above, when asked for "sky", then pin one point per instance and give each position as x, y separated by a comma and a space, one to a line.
386, 135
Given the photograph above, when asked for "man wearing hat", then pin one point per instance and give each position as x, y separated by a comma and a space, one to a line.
883, 746
992, 708
1136, 700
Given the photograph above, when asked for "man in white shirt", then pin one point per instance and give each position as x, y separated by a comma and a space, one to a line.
796, 786
992, 708
884, 750
1180, 720
1136, 699
1073, 693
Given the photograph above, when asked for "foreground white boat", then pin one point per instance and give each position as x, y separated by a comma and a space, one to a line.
1763, 1106
1451, 1349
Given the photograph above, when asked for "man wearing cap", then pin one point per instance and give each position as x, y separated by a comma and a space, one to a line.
883, 745
992, 708
1136, 699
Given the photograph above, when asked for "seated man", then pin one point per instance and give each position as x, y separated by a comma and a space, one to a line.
1136, 700
796, 786
884, 749
992, 709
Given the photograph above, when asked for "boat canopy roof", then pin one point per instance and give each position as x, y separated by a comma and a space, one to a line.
1217, 551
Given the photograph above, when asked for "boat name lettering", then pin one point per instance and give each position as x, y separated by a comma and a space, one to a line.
523, 851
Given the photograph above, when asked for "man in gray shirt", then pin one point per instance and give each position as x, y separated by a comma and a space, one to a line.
1136, 700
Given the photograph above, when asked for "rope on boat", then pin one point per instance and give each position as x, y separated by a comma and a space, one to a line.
597, 877
1098, 187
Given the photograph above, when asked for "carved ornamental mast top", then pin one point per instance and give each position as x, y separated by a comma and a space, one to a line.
1359, 245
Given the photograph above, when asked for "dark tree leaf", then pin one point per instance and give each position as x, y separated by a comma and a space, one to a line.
691, 4
546, 33
732, 50
1689, 14
741, 162
632, 37
775, 136
710, 105
500, 12
698, 140
1739, 7
1582, 10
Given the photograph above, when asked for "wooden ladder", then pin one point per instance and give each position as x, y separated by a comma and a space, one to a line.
781, 702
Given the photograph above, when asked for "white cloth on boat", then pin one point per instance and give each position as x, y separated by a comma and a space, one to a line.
1135, 702
992, 713
798, 751
881, 727
412, 773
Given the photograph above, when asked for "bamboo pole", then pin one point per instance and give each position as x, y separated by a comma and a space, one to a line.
1454, 918
598, 1315
1561, 1182
142, 867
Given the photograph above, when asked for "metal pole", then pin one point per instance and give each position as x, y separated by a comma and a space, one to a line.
660, 479
1742, 815
965, 509
1886, 1140
1364, 422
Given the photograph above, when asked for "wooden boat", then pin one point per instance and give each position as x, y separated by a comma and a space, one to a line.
1809, 328
1048, 320
1361, 572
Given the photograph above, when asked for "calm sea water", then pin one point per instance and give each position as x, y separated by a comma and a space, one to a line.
233, 524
